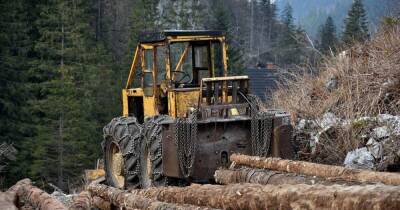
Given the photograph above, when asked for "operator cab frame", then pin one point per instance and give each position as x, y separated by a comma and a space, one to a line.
168, 69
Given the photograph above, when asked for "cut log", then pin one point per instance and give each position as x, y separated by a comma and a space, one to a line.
35, 196
315, 169
262, 176
128, 200
302, 196
82, 201
7, 201
101, 203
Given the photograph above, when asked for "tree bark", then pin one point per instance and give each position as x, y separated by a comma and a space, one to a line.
315, 169
35, 196
83, 201
261, 176
101, 203
128, 200
301, 196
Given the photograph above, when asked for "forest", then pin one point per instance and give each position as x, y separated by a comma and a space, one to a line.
63, 64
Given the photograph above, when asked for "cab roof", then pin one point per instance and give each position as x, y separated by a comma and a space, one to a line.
150, 37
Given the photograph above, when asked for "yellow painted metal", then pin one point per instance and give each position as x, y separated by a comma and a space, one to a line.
149, 106
134, 92
186, 99
194, 38
133, 68
233, 112
125, 103
91, 175
225, 58
147, 46
182, 58
171, 104
168, 65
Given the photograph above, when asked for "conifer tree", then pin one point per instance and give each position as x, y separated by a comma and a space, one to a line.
356, 25
183, 14
68, 73
328, 36
269, 29
15, 47
221, 20
289, 45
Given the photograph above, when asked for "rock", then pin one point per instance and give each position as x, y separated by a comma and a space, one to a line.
360, 159
385, 118
376, 150
380, 132
328, 119
301, 125
393, 122
331, 84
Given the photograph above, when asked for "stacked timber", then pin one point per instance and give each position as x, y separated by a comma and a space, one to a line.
300, 196
318, 170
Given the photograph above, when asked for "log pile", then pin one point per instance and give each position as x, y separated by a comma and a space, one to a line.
262, 176
128, 200
319, 170
256, 196
271, 184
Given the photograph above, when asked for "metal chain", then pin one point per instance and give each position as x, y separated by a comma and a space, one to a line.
185, 138
261, 128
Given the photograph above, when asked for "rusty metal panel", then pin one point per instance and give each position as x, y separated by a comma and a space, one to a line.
282, 137
216, 142
170, 153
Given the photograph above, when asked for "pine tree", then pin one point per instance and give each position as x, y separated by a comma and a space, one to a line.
328, 36
290, 40
183, 14
269, 29
15, 48
64, 108
144, 18
221, 20
356, 29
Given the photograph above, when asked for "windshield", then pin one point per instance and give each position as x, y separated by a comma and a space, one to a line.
192, 61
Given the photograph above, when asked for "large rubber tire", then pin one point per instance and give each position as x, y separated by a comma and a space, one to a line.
125, 133
151, 156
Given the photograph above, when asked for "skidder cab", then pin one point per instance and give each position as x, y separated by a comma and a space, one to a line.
183, 116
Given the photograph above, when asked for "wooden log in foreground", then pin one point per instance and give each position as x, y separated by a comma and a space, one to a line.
82, 201
262, 176
7, 201
35, 196
315, 169
128, 200
302, 196
101, 203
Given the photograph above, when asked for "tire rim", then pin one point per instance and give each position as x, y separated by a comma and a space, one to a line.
117, 163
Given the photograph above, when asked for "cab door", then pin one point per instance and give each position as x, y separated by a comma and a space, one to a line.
149, 80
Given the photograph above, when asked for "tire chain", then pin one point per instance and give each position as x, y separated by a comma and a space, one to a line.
156, 135
261, 128
185, 139
132, 145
